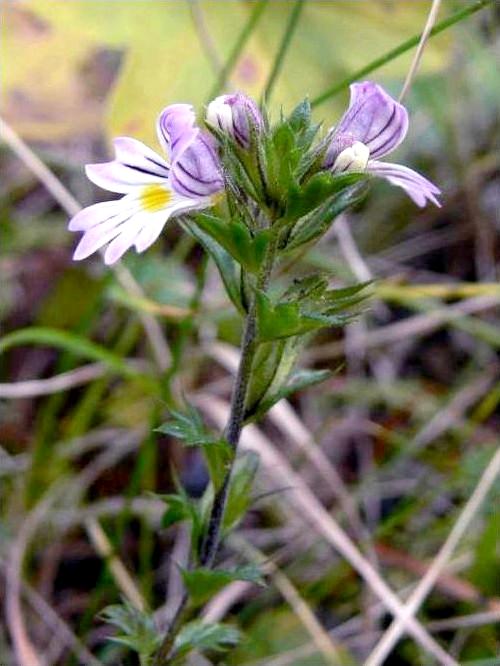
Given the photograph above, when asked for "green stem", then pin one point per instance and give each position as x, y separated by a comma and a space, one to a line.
232, 435
285, 43
237, 411
402, 48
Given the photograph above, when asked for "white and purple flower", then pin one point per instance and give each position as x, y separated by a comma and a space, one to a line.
155, 188
235, 115
373, 126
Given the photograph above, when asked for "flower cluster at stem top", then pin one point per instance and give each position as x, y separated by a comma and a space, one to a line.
194, 172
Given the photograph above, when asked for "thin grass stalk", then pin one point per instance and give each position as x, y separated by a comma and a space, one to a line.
283, 48
399, 50
238, 47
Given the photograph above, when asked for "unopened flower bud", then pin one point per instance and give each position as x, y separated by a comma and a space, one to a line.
235, 115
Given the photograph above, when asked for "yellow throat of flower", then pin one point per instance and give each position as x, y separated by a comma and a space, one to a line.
154, 198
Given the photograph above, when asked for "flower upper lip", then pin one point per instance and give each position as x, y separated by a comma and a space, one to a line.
378, 121
155, 188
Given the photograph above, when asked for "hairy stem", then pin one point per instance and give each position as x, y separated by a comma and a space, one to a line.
237, 413
232, 433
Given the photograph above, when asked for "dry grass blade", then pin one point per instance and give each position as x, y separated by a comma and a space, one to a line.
321, 639
217, 608
56, 624
395, 631
306, 505
63, 382
26, 653
416, 326
121, 576
465, 621
429, 24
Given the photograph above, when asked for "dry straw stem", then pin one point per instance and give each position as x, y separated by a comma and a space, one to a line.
350, 250
466, 621
418, 325
429, 24
219, 606
70, 490
68, 203
307, 505
54, 623
121, 576
26, 654
320, 637
62, 382
453, 412
399, 625
351, 632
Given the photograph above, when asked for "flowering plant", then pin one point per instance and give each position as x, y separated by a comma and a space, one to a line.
272, 190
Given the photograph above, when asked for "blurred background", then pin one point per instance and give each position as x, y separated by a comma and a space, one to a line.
393, 445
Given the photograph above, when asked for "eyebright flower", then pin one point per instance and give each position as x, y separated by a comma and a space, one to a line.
155, 188
235, 115
373, 126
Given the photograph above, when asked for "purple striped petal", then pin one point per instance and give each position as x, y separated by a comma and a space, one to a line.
418, 188
235, 115
135, 165
121, 224
197, 172
374, 118
176, 128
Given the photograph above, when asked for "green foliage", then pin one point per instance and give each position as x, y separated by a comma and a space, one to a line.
315, 308
239, 497
300, 118
247, 249
282, 156
180, 508
203, 583
138, 630
271, 373
282, 320
71, 342
299, 380
484, 572
316, 191
205, 637
218, 457
268, 357
228, 268
313, 226
189, 428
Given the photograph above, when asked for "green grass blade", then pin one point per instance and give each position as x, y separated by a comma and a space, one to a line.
38, 335
285, 43
238, 47
399, 50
